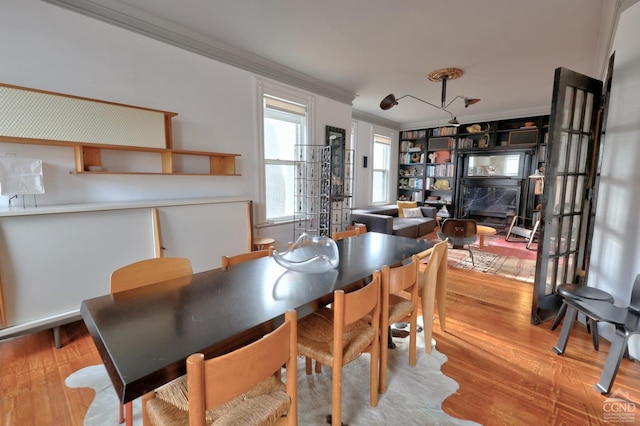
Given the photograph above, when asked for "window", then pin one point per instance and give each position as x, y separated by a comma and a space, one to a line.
284, 125
381, 164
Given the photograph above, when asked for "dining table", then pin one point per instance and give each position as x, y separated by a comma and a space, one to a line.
144, 335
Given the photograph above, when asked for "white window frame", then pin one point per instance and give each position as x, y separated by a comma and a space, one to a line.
267, 88
377, 137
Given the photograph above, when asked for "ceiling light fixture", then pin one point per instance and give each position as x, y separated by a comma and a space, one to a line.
441, 75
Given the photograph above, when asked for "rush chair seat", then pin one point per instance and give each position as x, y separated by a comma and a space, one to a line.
460, 232
396, 308
145, 273
226, 261
626, 322
338, 335
242, 387
432, 287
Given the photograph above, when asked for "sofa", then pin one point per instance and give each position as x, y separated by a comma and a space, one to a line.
385, 219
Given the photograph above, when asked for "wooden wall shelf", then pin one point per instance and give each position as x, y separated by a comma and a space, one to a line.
88, 156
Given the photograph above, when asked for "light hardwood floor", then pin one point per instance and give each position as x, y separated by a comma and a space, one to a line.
506, 370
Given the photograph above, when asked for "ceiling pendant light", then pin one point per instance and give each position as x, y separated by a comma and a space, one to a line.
440, 75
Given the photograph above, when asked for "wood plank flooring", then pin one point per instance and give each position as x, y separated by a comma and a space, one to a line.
507, 373
506, 370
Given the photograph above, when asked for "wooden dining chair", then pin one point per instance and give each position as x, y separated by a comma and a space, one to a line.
226, 261
396, 308
335, 337
145, 273
361, 227
432, 288
243, 387
337, 236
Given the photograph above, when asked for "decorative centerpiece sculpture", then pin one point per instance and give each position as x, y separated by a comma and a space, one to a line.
310, 253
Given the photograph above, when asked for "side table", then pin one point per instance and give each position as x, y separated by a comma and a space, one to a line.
482, 231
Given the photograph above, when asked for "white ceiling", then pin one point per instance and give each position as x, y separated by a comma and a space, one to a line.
508, 49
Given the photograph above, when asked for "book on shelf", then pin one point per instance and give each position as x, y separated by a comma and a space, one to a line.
465, 143
414, 134
440, 170
445, 131
417, 196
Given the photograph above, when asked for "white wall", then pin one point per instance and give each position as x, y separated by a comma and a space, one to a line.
615, 259
46, 47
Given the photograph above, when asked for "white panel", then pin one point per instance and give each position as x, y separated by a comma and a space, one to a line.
36, 115
50, 263
205, 232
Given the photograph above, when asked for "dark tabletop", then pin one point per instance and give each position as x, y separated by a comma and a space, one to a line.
144, 335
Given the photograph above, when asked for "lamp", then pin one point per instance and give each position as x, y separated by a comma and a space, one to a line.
442, 75
538, 188
536, 175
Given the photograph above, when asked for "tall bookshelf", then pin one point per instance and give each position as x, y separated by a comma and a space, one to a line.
412, 165
426, 168
431, 166
440, 171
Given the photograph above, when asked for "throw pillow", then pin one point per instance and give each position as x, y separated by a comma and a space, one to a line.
405, 205
414, 212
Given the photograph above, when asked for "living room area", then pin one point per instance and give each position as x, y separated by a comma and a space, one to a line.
207, 66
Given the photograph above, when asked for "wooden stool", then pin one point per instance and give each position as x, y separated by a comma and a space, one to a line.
263, 243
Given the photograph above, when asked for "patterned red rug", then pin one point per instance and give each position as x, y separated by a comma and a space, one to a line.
507, 259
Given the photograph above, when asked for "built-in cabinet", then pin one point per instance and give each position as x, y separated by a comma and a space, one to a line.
485, 171
52, 258
99, 131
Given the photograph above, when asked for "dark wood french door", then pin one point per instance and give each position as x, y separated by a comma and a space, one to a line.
568, 181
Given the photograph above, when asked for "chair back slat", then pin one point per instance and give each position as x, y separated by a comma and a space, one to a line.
149, 271
221, 379
226, 261
337, 236
360, 302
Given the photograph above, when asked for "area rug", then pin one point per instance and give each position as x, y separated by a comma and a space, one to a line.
508, 259
414, 395
510, 267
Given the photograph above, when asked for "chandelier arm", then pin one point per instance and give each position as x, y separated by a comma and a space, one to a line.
452, 100
418, 99
446, 110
